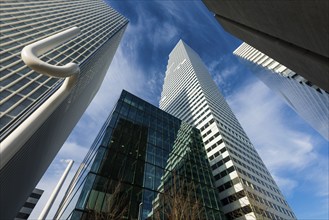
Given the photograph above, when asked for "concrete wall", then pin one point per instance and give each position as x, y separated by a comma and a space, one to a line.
295, 33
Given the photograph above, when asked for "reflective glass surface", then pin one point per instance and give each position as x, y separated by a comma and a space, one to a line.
147, 165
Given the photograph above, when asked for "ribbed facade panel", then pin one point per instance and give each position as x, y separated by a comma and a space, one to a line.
309, 101
29, 205
247, 190
24, 22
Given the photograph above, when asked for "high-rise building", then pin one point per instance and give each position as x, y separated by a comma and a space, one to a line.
246, 188
42, 42
144, 164
29, 204
309, 101
294, 33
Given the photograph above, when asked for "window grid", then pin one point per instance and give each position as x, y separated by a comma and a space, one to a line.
17, 80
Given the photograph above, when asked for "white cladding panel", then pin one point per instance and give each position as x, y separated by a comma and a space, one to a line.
190, 94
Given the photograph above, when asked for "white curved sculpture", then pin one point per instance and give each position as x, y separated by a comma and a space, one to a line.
16, 139
31, 52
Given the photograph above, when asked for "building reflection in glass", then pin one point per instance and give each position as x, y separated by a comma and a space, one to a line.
140, 158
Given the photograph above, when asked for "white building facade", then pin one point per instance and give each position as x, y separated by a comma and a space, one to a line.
247, 190
54, 56
309, 101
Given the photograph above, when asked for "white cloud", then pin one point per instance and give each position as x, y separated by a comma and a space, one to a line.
288, 151
151, 30
287, 184
257, 108
74, 151
170, 8
318, 174
213, 65
221, 76
122, 74
163, 33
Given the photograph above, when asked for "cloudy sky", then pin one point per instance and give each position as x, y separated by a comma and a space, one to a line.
294, 153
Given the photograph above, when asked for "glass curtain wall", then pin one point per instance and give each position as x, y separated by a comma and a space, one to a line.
145, 161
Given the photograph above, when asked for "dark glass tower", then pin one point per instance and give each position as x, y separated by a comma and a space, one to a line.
143, 161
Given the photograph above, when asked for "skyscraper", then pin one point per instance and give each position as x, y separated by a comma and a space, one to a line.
294, 33
143, 164
73, 39
245, 186
309, 101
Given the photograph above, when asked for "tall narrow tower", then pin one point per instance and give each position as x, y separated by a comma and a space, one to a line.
247, 190
144, 164
54, 56
309, 101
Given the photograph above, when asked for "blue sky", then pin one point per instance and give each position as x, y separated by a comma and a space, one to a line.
295, 154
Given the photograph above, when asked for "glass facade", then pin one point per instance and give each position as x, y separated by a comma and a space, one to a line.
143, 161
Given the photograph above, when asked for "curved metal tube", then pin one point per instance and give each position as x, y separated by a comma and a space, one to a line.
16, 139
31, 52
